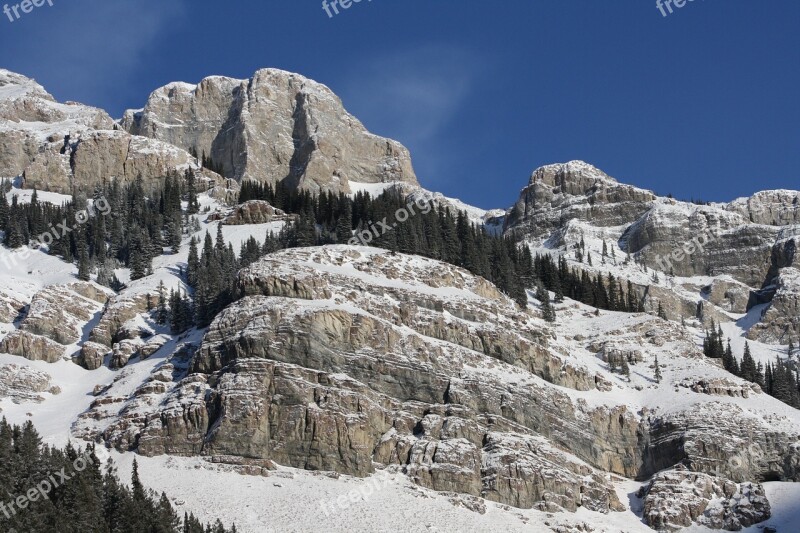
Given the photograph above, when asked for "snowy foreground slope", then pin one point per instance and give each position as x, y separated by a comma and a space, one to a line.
338, 360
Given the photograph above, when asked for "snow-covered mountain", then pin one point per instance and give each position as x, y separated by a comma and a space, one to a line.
350, 386
274, 126
715, 260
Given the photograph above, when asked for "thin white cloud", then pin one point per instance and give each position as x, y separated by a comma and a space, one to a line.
412, 96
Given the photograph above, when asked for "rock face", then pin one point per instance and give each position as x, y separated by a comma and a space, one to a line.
674, 499
781, 320
729, 295
23, 384
64, 147
273, 126
342, 358
92, 355
58, 312
338, 358
32, 347
745, 246
576, 190
713, 241
254, 212
10, 308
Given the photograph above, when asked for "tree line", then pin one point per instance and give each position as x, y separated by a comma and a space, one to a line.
90, 500
779, 379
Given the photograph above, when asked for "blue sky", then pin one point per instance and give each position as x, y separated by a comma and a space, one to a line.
700, 103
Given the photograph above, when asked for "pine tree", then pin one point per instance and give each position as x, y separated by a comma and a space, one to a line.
748, 369
193, 264
729, 362
191, 190
162, 313
662, 314
84, 266
548, 313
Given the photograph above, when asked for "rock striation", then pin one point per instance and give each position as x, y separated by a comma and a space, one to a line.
346, 359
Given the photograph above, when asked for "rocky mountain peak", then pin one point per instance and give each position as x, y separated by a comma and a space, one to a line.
274, 126
559, 174
26, 105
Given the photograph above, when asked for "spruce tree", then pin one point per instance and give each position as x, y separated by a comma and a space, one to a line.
749, 370
161, 313
542, 294
191, 191
193, 264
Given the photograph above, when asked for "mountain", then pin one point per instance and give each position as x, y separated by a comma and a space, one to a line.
348, 385
716, 260
274, 126
68, 147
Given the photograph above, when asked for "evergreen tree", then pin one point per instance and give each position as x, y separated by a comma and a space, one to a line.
162, 313
87, 500
84, 266
748, 370
193, 264
542, 294
191, 191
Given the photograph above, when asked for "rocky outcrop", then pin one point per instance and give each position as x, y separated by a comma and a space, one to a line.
339, 358
721, 387
716, 438
92, 355
675, 499
686, 240
770, 208
780, 322
66, 147
729, 295
743, 245
111, 328
575, 190
349, 359
11, 308
59, 312
274, 126
32, 346
23, 383
253, 212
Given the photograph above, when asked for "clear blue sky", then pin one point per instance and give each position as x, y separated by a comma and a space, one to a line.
701, 103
